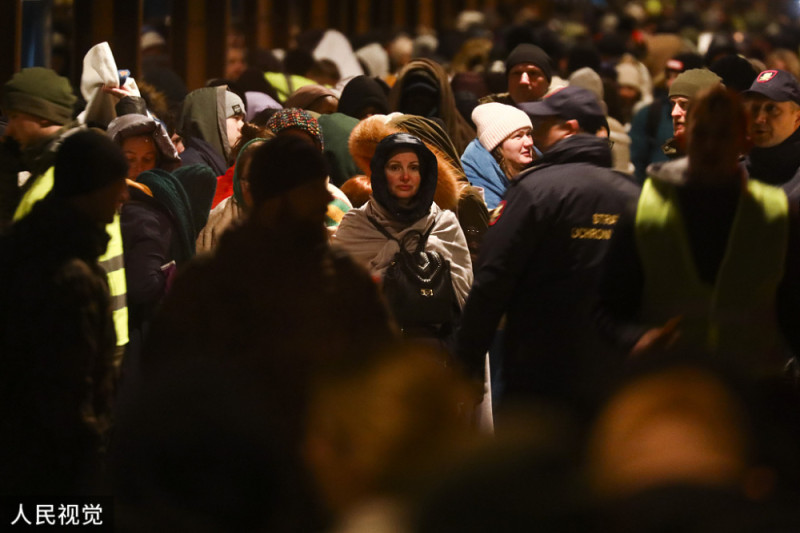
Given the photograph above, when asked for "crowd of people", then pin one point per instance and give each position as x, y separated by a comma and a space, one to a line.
535, 276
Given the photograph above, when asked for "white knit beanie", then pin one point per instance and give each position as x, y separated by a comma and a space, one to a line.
497, 121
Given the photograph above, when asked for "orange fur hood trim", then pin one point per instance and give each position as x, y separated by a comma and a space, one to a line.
369, 132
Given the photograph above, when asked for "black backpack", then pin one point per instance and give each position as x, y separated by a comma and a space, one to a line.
418, 285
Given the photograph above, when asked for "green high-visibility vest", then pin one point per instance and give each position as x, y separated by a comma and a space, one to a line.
112, 260
286, 84
735, 318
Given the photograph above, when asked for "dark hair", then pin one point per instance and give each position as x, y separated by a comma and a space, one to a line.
324, 69
282, 164
250, 131
717, 105
87, 161
298, 61
261, 118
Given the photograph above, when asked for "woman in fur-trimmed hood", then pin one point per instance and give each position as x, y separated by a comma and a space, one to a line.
453, 190
400, 214
369, 132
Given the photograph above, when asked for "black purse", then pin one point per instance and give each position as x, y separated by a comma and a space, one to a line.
418, 285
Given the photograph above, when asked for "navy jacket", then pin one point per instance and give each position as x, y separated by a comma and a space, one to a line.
540, 263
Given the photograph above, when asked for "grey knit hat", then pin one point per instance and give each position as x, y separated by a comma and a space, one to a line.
40, 92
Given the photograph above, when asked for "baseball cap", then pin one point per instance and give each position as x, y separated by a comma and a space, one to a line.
569, 103
776, 85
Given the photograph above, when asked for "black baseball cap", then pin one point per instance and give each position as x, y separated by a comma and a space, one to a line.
777, 85
570, 103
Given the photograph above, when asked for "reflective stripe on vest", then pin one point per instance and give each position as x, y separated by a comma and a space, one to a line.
41, 186
736, 316
117, 286
113, 263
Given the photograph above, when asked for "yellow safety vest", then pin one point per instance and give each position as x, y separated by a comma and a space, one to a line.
286, 84
735, 318
112, 260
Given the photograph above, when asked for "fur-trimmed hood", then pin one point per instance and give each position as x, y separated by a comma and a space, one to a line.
370, 131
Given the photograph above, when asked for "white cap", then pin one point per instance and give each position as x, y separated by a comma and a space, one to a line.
496, 121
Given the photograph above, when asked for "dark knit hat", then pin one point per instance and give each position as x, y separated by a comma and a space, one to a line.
692, 81
360, 93
296, 118
736, 72
87, 161
530, 53
283, 163
776, 85
40, 92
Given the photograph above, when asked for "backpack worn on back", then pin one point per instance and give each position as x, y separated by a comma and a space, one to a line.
418, 285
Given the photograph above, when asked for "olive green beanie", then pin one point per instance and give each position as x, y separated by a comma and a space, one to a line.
692, 81
40, 92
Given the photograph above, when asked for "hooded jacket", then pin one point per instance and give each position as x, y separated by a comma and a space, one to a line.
134, 124
370, 131
456, 125
204, 130
368, 246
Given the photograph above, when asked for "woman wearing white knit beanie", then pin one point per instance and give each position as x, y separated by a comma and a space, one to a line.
503, 149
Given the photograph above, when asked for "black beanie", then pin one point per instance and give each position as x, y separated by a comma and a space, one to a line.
86, 161
360, 93
530, 53
684, 61
737, 73
283, 163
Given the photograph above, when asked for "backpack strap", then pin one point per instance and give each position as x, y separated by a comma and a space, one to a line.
382, 229
422, 237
